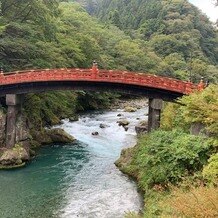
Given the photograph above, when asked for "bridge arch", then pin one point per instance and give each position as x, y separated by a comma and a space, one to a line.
48, 79
156, 88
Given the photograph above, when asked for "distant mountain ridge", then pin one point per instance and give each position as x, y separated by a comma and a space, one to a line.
175, 30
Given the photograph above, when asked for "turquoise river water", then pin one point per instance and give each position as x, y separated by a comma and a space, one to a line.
76, 180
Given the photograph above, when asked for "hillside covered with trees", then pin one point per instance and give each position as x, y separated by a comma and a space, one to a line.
175, 30
164, 37
171, 38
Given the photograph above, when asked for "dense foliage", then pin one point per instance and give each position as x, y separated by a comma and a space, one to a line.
175, 30
170, 38
210, 172
196, 108
49, 108
171, 157
67, 37
165, 37
47, 34
161, 158
59, 36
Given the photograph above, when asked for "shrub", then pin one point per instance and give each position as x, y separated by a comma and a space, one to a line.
202, 107
168, 116
210, 171
196, 202
48, 108
199, 107
164, 157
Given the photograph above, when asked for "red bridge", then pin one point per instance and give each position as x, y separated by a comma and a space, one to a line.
156, 88
49, 79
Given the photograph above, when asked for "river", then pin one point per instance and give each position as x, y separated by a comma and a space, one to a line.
76, 180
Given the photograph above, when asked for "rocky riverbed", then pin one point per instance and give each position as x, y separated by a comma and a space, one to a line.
28, 138
78, 179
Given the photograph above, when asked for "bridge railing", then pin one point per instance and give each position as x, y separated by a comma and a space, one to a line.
114, 76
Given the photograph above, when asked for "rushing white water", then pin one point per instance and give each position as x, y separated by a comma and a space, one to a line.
101, 189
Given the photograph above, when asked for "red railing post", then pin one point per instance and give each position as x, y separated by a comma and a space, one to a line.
95, 70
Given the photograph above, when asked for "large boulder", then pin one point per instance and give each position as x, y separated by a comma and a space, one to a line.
50, 136
16, 156
40, 138
58, 135
130, 109
197, 129
123, 122
22, 130
74, 118
142, 127
124, 159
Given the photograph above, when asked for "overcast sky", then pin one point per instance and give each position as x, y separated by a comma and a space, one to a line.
207, 6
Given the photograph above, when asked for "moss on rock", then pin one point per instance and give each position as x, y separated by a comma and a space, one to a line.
14, 157
50, 136
58, 135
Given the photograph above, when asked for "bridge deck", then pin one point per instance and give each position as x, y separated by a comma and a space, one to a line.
95, 75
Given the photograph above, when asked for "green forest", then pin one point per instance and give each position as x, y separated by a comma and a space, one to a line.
170, 38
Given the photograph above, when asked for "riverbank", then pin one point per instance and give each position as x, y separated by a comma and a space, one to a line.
175, 166
31, 134
163, 167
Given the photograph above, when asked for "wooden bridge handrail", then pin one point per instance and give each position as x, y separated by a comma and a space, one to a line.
117, 76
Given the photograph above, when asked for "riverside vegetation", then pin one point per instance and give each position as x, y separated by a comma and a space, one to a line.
169, 38
178, 171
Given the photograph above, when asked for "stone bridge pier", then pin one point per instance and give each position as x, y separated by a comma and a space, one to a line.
154, 113
14, 103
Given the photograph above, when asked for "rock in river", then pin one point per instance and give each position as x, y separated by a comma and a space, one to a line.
102, 126
58, 135
14, 157
130, 109
74, 118
123, 122
50, 136
142, 127
95, 133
